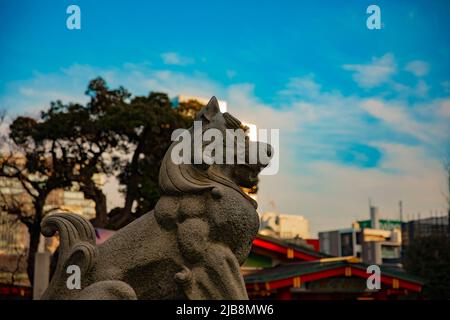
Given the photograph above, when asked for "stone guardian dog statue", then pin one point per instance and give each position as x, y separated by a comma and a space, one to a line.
190, 246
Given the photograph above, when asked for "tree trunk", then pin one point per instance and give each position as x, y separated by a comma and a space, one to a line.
101, 212
126, 215
34, 231
92, 192
35, 234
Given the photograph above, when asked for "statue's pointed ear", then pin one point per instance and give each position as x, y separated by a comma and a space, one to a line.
210, 110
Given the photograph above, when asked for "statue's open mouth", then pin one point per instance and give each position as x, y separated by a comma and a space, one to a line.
246, 175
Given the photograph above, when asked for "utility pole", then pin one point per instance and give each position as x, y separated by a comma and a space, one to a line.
402, 228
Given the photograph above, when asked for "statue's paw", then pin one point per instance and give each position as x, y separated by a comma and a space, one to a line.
184, 277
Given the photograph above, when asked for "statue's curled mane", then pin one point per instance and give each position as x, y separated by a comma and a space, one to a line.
178, 179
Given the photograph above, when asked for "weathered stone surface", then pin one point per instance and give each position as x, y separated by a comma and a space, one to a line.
189, 247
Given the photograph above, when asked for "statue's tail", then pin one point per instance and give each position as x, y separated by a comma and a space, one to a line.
77, 247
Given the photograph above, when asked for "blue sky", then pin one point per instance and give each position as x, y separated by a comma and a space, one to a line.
363, 113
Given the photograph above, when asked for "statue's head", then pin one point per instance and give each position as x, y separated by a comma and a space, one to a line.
236, 146
216, 150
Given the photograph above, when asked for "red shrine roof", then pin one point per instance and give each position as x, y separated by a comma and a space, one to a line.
286, 250
293, 274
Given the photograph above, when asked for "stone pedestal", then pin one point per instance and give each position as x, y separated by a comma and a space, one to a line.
41, 274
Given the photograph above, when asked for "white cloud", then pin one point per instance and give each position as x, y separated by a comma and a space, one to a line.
446, 86
313, 125
243, 103
421, 88
32, 95
174, 58
304, 87
380, 71
332, 195
404, 91
69, 85
418, 68
424, 121
174, 83
375, 73
444, 108
231, 74
396, 117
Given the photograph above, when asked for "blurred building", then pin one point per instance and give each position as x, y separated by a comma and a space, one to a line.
284, 226
13, 234
70, 201
278, 269
425, 227
375, 241
14, 237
